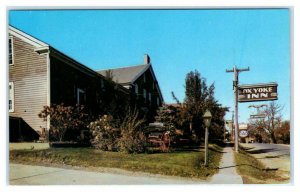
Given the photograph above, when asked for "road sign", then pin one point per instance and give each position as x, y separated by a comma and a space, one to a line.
258, 116
257, 92
243, 133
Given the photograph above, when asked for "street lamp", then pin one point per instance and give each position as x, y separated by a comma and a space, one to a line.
207, 119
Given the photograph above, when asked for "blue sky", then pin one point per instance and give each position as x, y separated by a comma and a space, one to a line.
178, 41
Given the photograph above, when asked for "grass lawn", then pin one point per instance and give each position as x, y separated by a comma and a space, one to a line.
253, 171
184, 162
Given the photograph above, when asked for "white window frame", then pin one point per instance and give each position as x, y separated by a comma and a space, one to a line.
11, 96
12, 50
78, 92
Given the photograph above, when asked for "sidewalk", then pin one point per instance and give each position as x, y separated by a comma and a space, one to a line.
40, 175
227, 173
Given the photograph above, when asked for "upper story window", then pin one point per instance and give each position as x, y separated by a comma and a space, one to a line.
136, 87
149, 95
145, 93
157, 101
144, 77
10, 50
102, 84
11, 99
81, 97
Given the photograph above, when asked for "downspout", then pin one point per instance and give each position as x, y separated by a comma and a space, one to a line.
48, 91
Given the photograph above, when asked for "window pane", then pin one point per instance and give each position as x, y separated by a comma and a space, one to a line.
9, 51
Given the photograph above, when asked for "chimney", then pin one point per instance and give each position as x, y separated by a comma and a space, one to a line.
146, 59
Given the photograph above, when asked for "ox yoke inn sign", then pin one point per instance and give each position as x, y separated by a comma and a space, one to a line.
257, 92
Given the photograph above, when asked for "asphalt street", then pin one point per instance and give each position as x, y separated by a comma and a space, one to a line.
274, 156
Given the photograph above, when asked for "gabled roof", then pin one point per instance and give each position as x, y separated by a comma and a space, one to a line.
41, 47
27, 38
126, 75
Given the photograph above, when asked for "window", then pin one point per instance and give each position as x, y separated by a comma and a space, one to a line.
149, 95
10, 50
145, 94
102, 84
144, 78
157, 101
136, 89
11, 99
81, 97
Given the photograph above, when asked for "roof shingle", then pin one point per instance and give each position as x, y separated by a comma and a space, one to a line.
126, 75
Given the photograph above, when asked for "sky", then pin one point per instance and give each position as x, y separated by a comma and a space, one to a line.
178, 41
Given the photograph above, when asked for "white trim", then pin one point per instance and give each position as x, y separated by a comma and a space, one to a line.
12, 50
78, 92
11, 92
25, 37
48, 88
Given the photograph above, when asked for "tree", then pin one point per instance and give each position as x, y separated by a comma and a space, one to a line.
198, 96
283, 133
271, 123
63, 118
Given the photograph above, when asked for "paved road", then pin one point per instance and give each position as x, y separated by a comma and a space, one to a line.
38, 175
274, 156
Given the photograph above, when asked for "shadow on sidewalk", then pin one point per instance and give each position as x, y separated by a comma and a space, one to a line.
240, 165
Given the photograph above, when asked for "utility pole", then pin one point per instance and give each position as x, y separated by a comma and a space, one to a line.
232, 126
236, 72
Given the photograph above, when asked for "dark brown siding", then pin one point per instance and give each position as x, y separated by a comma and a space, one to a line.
67, 77
65, 80
29, 75
147, 84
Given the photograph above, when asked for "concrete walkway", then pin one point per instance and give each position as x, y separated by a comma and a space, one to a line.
40, 175
227, 173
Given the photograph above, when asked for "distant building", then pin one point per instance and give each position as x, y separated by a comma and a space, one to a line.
40, 75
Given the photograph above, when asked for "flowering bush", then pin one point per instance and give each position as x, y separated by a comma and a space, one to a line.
63, 118
104, 134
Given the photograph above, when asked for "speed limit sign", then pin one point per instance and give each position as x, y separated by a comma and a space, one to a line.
243, 133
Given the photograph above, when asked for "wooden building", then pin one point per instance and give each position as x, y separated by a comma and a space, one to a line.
40, 75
